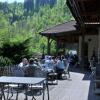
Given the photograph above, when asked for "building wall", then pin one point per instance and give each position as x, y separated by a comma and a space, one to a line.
99, 45
92, 44
92, 41
79, 50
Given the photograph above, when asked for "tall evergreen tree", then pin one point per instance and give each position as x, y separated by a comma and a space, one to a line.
44, 2
1, 5
52, 3
29, 5
37, 4
5, 7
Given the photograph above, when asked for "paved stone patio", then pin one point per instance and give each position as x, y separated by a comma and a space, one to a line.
78, 87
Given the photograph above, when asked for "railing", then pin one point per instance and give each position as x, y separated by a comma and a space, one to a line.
5, 71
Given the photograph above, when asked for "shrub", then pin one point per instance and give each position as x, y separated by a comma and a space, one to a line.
15, 51
4, 61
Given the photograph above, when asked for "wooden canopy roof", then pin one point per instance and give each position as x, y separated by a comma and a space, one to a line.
65, 32
85, 11
60, 28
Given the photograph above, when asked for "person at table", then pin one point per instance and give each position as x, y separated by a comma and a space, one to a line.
33, 62
36, 62
54, 62
49, 64
24, 63
29, 71
60, 67
64, 60
33, 70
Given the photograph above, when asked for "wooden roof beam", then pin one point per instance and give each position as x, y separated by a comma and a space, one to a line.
79, 11
90, 14
72, 11
85, 0
75, 10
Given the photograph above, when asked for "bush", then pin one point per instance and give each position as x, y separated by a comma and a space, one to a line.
15, 51
4, 61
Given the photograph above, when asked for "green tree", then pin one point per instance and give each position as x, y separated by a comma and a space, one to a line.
16, 27
29, 6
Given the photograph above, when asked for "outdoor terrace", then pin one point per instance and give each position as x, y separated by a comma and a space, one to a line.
78, 87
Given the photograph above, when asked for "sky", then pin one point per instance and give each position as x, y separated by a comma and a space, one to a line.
10, 1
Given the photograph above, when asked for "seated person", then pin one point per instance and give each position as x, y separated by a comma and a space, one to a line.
33, 70
49, 64
60, 67
37, 63
29, 71
24, 63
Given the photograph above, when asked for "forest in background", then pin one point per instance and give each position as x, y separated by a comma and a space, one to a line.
21, 23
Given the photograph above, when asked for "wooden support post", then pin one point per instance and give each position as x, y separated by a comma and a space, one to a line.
99, 45
48, 46
82, 52
64, 48
57, 48
82, 48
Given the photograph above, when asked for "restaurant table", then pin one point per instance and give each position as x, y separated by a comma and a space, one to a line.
23, 80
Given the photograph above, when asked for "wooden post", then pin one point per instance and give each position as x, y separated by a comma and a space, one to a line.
82, 48
82, 51
57, 48
99, 45
48, 46
64, 48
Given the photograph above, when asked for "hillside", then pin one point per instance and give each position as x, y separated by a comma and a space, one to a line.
22, 21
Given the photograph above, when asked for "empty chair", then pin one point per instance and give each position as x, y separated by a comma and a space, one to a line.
2, 96
12, 88
52, 77
66, 71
